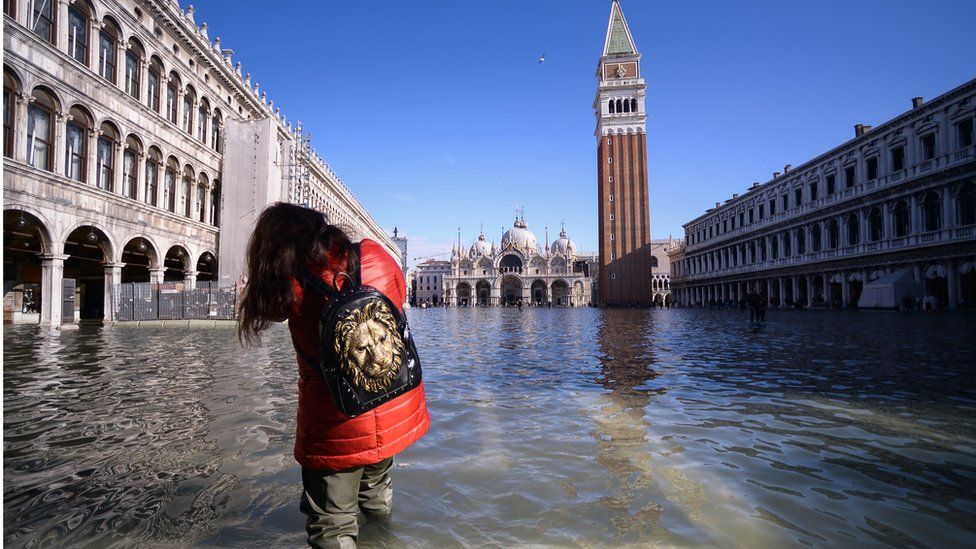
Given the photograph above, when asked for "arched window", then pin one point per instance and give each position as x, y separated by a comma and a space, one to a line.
76, 144
613, 109
801, 241
130, 172
626, 105
173, 97
967, 203
189, 97
633, 105
875, 224
833, 234
787, 244
187, 192
215, 204
106, 157
202, 120
654, 262
774, 246
11, 86
218, 120
133, 68
620, 106
40, 129
816, 238
155, 76
108, 39
853, 230
42, 19
153, 161
903, 223
202, 198
932, 211
78, 17
169, 185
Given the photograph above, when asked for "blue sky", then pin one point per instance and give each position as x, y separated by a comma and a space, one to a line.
438, 115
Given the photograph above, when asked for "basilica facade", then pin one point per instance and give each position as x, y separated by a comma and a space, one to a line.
519, 271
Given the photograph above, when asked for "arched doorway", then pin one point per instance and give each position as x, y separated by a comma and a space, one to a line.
967, 285
835, 289
88, 249
560, 293
659, 300
511, 290
139, 257
464, 294
24, 240
937, 285
483, 288
787, 297
206, 270
176, 264
538, 293
802, 291
819, 296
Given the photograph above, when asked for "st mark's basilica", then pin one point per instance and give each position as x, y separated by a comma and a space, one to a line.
518, 270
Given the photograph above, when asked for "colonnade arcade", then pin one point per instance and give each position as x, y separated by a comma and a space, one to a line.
39, 265
509, 289
951, 281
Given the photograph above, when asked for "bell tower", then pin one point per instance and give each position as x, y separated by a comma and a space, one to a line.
621, 123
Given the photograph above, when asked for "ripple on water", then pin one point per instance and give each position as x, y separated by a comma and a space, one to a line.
554, 427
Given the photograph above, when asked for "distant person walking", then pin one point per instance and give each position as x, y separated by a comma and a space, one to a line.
346, 461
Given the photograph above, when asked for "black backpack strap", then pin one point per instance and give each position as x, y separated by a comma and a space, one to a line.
317, 284
358, 278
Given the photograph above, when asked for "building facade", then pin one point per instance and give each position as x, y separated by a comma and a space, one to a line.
622, 192
888, 214
661, 270
136, 150
427, 283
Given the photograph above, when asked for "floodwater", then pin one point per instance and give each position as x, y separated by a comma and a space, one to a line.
551, 427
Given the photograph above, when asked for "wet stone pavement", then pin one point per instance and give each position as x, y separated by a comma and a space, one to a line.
553, 427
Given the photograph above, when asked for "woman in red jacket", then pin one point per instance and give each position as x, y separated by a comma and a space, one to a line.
345, 461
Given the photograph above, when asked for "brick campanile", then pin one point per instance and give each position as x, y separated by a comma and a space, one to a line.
624, 217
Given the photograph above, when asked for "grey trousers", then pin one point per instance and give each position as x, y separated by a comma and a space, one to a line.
333, 499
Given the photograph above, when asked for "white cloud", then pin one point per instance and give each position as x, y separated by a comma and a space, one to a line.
402, 197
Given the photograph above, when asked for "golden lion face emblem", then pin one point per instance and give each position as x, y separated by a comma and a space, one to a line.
369, 347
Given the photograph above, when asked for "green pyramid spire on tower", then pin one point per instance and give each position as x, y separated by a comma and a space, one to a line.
619, 40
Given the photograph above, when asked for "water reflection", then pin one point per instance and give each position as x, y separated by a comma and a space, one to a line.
551, 427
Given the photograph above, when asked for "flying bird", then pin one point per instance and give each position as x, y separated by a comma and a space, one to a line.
542, 58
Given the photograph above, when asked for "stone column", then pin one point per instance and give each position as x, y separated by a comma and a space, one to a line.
809, 291
91, 162
156, 275
886, 221
58, 148
845, 290
782, 291
144, 81
189, 280
52, 276
769, 290
948, 209
113, 278
117, 149
916, 216
952, 279
61, 22
140, 182
21, 100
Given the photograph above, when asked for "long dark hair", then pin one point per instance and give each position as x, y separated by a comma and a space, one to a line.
285, 238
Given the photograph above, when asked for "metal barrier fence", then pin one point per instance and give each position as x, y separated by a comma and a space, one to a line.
170, 301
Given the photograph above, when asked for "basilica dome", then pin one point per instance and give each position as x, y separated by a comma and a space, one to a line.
481, 247
563, 245
520, 238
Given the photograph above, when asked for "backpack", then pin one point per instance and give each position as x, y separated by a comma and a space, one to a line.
368, 353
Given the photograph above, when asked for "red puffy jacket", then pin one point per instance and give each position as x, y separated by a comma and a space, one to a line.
326, 438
